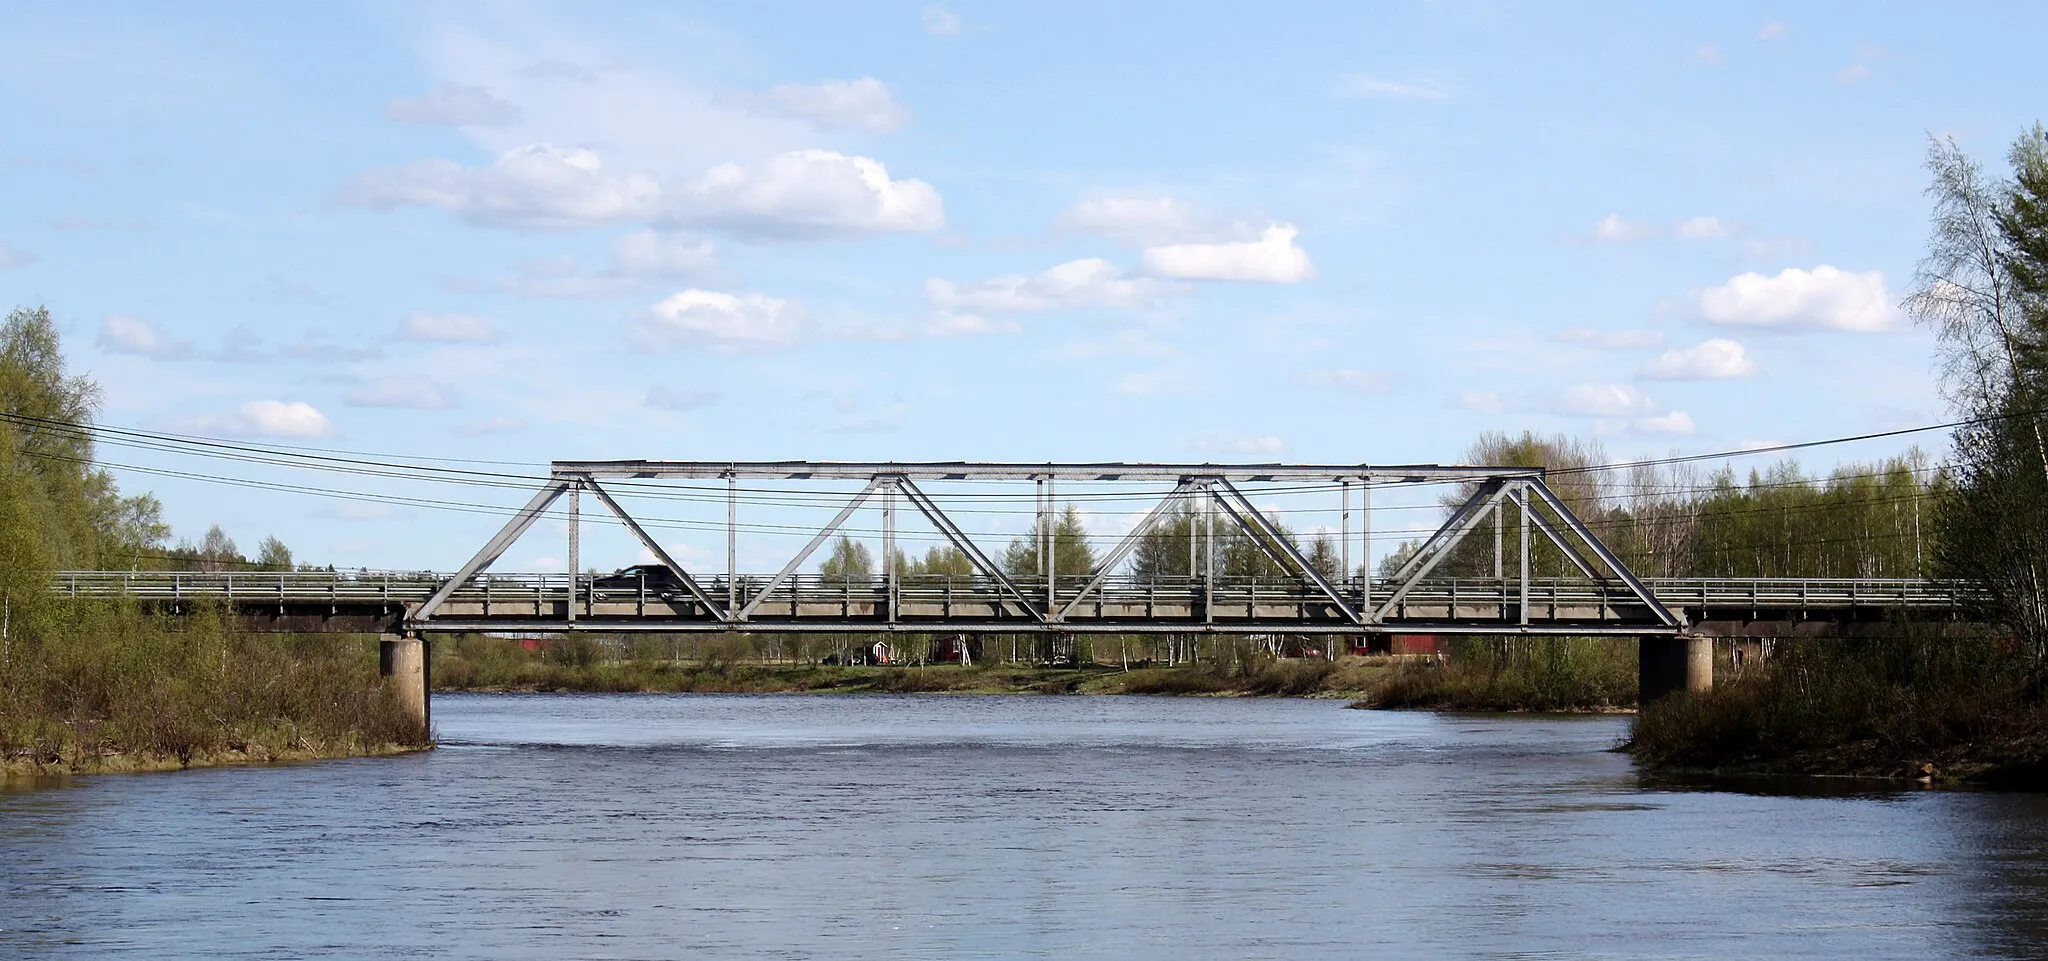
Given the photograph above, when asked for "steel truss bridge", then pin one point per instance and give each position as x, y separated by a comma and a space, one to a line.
1600, 597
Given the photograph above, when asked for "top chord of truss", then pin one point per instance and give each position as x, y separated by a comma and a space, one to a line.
976, 470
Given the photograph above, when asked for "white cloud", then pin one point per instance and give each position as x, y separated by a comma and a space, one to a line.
1704, 228
941, 22
1707, 55
1358, 86
864, 104
793, 194
807, 193
637, 259
453, 105
406, 393
14, 257
1218, 443
1274, 258
1134, 220
1716, 359
664, 397
1089, 282
1676, 422
1615, 407
1771, 30
1358, 381
447, 329
121, 334
720, 321
1613, 230
1610, 339
1823, 298
1606, 400
533, 186
269, 418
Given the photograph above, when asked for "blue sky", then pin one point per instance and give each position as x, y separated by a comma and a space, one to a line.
1332, 233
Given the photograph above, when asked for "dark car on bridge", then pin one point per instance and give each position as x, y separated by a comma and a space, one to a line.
656, 579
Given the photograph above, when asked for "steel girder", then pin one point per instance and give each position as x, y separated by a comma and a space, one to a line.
1210, 488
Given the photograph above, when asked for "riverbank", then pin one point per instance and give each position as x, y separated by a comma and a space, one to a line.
1941, 711
100, 686
108, 760
1589, 675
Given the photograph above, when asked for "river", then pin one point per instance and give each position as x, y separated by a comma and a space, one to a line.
801, 826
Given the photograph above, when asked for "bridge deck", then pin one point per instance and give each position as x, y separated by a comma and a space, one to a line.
369, 601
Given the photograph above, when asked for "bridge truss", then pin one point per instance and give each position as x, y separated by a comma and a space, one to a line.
1601, 596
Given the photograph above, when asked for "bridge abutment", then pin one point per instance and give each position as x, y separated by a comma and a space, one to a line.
1667, 665
405, 663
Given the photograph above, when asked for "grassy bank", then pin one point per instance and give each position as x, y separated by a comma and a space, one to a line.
575, 664
1969, 711
1517, 674
97, 686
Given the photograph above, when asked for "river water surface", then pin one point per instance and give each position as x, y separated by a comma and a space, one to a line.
799, 826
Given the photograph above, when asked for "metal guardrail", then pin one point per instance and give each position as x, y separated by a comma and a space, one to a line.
395, 587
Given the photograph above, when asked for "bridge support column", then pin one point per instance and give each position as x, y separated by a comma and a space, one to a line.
1699, 665
1666, 665
405, 663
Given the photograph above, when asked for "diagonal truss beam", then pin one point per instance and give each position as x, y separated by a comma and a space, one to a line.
830, 528
1628, 577
1571, 553
497, 545
1128, 544
1462, 522
952, 531
1262, 530
1453, 530
660, 553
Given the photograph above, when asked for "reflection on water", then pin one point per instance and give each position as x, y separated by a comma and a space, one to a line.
1002, 827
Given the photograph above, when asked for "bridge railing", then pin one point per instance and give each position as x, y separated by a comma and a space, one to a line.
252, 585
406, 586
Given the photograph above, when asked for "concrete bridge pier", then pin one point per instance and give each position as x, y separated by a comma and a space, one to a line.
406, 663
1666, 665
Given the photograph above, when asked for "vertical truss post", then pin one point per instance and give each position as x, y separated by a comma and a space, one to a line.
1365, 527
1209, 554
1052, 546
1038, 528
891, 588
1344, 538
1522, 501
575, 543
732, 540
